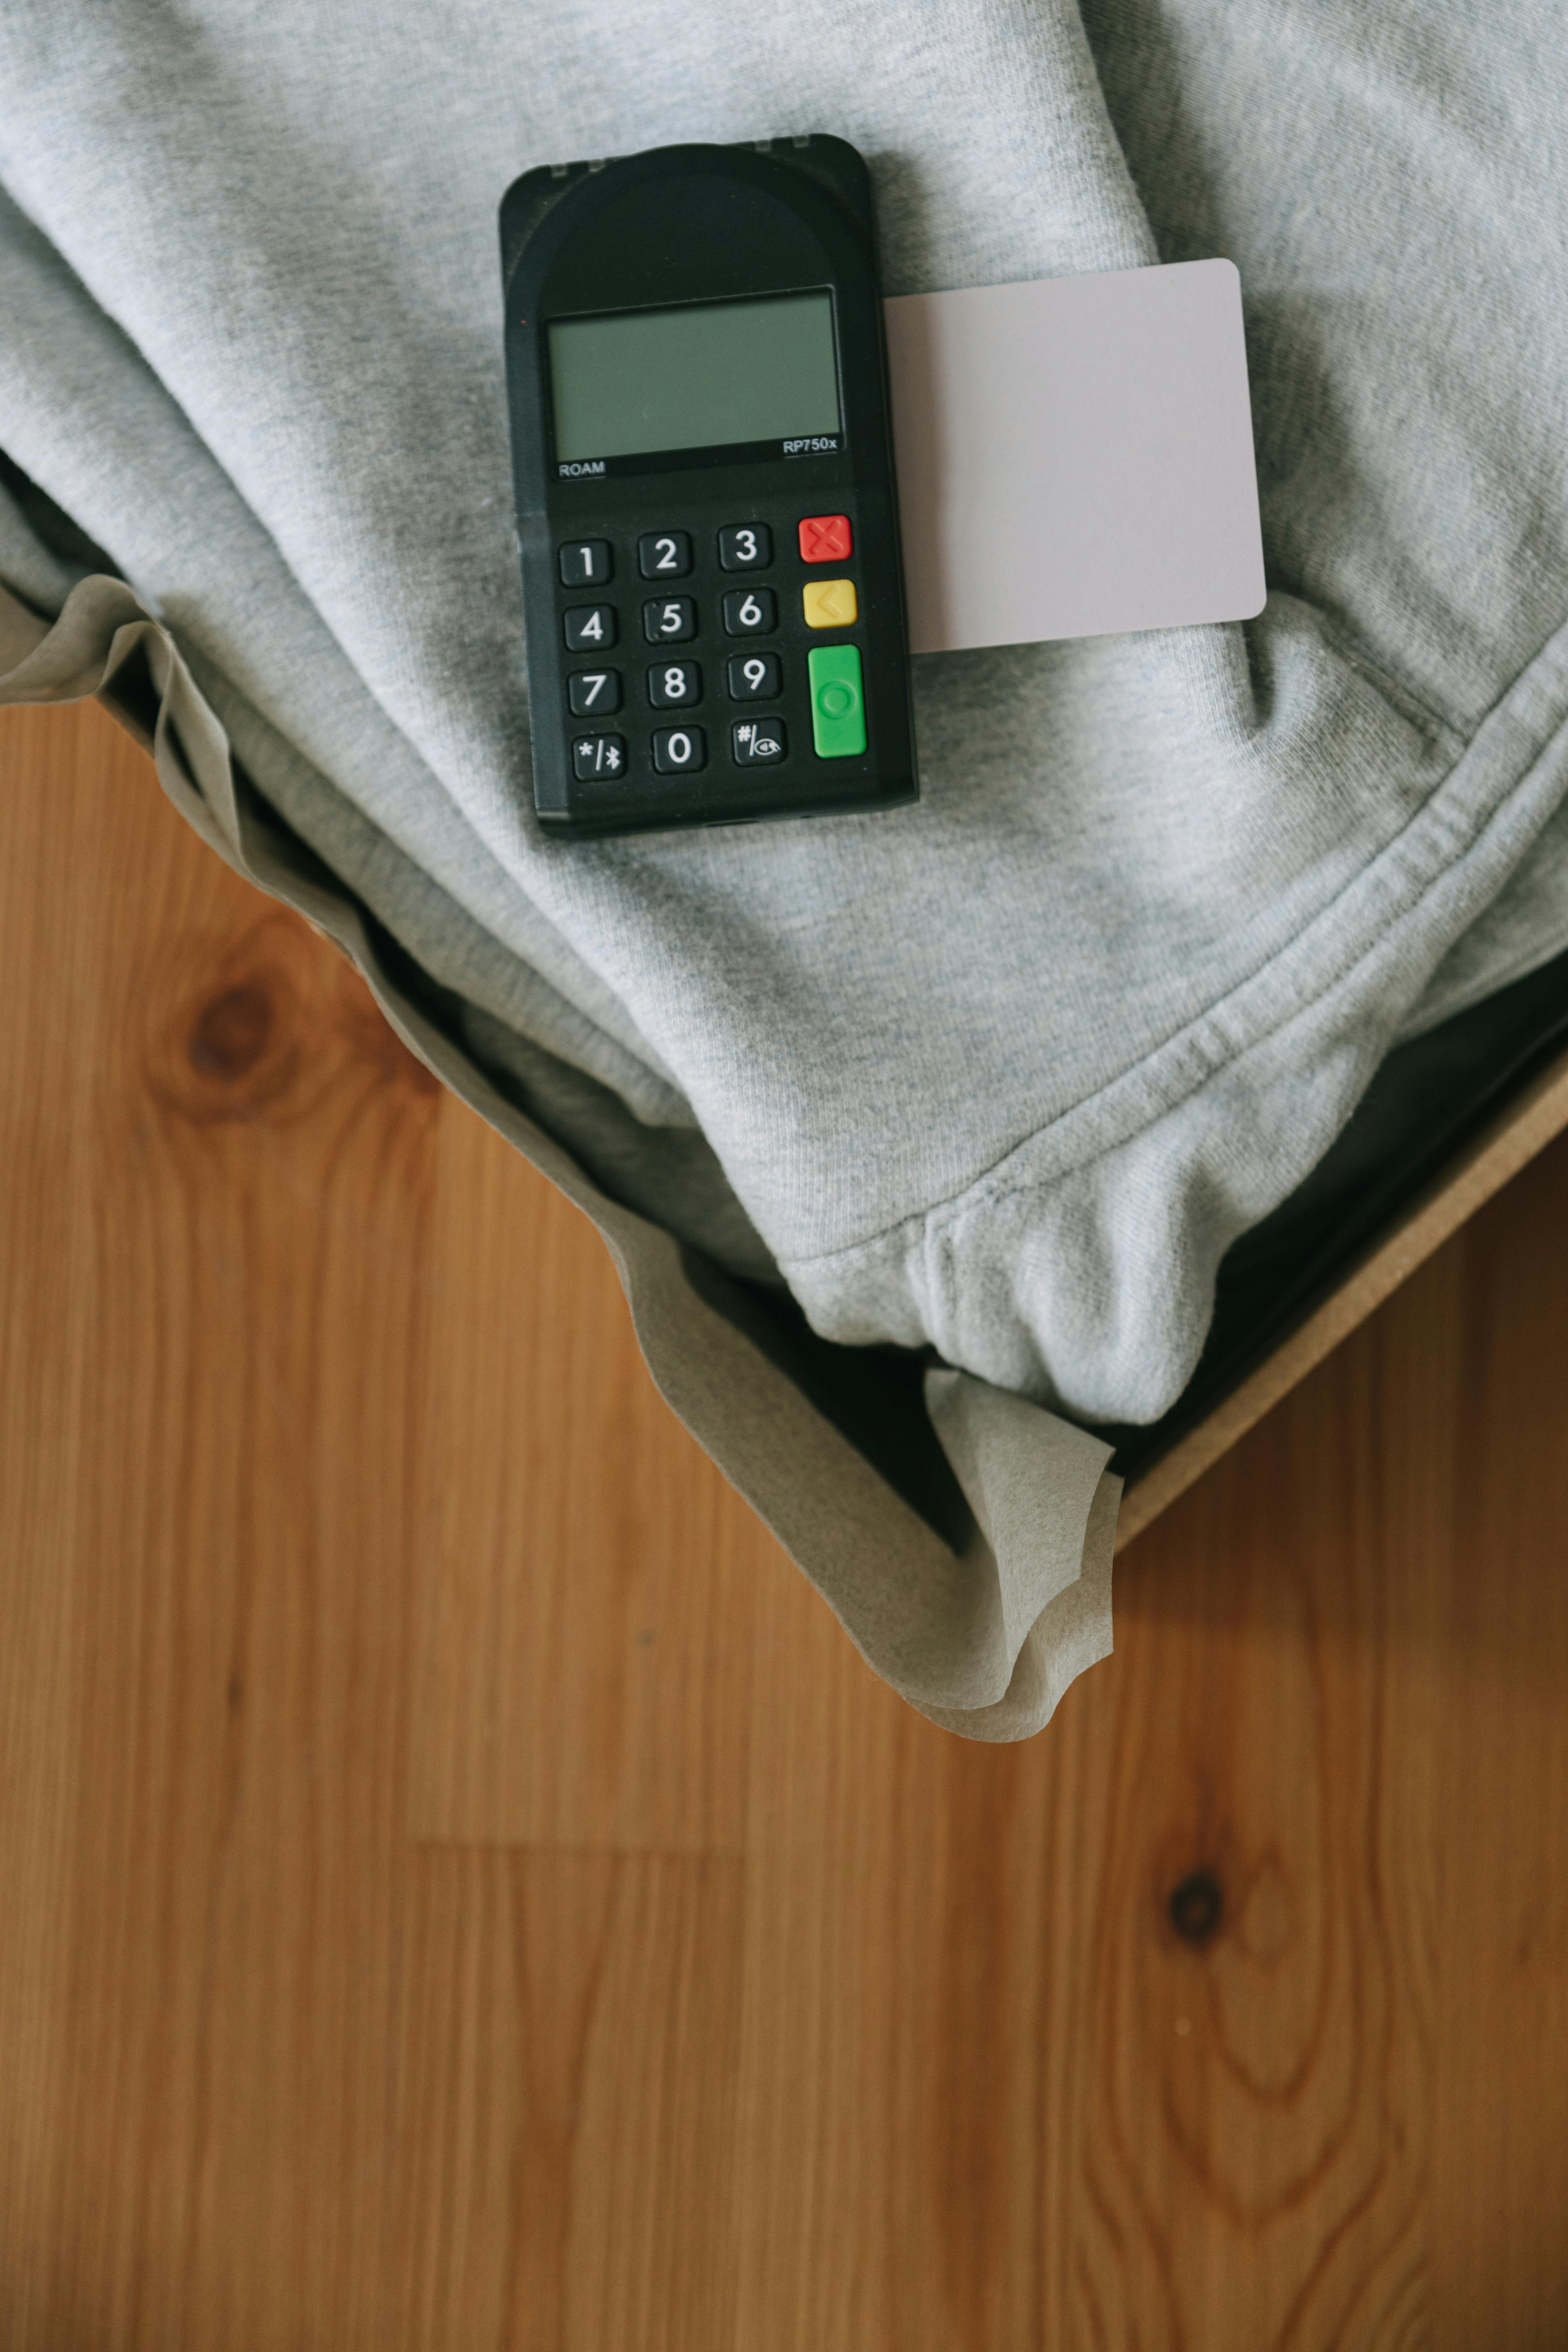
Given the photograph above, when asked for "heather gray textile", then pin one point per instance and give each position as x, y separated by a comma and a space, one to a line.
1005, 1072
983, 1633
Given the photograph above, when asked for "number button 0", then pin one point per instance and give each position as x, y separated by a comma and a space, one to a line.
672, 682
664, 554
751, 675
748, 611
670, 622
585, 562
595, 690
589, 628
677, 749
745, 546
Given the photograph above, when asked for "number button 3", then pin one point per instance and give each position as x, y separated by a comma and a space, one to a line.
745, 546
674, 682
670, 622
749, 611
664, 554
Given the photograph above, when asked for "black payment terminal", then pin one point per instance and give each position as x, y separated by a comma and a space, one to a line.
705, 492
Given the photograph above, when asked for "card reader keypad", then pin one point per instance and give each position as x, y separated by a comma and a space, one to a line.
802, 603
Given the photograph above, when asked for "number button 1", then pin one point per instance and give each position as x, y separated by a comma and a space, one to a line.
745, 546
585, 562
670, 623
751, 675
664, 554
669, 683
749, 611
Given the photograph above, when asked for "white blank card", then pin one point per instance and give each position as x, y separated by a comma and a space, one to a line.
1075, 457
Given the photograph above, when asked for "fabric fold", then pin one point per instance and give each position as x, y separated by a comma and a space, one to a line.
983, 1639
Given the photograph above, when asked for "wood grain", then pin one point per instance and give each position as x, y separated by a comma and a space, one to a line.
460, 1887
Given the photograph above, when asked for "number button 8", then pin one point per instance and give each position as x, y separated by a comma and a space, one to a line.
674, 682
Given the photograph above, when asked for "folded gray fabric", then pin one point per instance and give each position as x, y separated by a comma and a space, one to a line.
1005, 1072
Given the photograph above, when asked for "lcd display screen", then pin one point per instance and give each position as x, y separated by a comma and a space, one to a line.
643, 381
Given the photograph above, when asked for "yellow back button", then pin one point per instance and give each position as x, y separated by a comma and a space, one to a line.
829, 604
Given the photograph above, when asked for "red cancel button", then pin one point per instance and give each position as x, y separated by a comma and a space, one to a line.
826, 539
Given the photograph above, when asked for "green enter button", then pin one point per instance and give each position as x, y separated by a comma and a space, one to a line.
837, 704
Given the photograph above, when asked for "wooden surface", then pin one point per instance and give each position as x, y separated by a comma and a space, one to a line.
461, 1890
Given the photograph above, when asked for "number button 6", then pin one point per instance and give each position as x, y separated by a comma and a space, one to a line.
750, 612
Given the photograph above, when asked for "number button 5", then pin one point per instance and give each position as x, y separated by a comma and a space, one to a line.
670, 622
664, 554
748, 612
745, 547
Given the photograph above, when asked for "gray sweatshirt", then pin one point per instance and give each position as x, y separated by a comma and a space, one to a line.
1007, 1071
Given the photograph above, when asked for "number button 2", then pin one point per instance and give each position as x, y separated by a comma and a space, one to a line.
749, 611
745, 546
669, 683
595, 690
751, 675
670, 622
589, 628
664, 554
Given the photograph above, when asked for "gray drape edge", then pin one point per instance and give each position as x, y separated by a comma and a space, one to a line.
985, 1642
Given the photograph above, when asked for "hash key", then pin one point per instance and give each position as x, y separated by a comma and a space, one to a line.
758, 743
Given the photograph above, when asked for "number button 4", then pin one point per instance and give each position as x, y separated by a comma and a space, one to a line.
669, 683
745, 546
670, 622
751, 675
595, 690
589, 628
750, 612
664, 554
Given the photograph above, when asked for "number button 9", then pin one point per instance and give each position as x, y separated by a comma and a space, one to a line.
752, 674
749, 611
745, 546
664, 554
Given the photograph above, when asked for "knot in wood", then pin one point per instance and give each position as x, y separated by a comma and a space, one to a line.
1196, 1907
230, 1034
